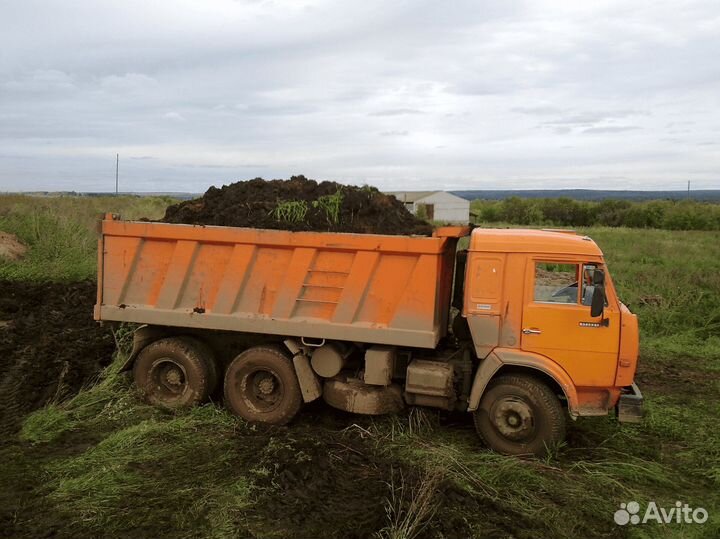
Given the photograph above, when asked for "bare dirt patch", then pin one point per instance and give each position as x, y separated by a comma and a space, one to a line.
10, 247
681, 378
50, 346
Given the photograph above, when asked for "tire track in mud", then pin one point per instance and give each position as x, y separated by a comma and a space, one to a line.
12, 406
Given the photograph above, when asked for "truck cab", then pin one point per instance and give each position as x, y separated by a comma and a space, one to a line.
541, 305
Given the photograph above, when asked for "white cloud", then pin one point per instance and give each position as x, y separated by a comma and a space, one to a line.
174, 116
127, 83
40, 80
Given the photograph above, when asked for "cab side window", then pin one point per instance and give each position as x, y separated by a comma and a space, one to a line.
556, 282
587, 284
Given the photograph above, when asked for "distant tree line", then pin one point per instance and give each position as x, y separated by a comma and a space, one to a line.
667, 214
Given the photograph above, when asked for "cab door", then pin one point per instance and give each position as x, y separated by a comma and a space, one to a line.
557, 324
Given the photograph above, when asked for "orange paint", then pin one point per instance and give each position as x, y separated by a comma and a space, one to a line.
384, 288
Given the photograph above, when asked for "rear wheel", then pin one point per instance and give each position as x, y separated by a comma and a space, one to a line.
520, 415
261, 385
208, 357
174, 373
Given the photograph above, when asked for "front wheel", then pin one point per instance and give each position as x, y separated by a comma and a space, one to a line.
520, 415
261, 385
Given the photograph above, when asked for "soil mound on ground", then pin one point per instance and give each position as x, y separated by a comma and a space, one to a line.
328, 480
10, 247
299, 204
50, 346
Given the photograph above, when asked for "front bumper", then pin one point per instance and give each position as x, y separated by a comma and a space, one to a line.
630, 405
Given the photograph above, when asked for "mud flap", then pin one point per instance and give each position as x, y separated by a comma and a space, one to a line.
308, 380
310, 385
630, 405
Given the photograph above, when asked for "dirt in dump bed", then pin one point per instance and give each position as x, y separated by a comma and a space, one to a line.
300, 204
50, 346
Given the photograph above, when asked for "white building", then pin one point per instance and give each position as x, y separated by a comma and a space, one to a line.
436, 205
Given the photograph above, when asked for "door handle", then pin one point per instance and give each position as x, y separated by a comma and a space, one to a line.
532, 331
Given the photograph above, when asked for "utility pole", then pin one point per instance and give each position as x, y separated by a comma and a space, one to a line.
688, 190
117, 170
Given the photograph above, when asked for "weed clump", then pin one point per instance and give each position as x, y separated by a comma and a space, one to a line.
330, 204
291, 211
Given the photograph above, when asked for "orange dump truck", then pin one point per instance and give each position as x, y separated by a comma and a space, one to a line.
522, 329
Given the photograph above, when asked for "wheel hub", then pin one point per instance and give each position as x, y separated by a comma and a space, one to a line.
170, 379
513, 418
262, 388
266, 385
173, 376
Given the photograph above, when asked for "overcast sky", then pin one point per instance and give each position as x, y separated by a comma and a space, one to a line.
400, 94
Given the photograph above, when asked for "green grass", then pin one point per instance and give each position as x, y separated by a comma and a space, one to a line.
141, 465
291, 211
204, 472
104, 464
45, 426
158, 462
330, 205
61, 232
669, 458
672, 281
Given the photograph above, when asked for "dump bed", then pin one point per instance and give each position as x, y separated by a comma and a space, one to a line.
353, 287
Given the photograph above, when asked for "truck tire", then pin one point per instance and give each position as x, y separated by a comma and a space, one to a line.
520, 415
261, 386
173, 373
210, 361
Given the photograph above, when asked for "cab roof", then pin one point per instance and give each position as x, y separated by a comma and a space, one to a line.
516, 240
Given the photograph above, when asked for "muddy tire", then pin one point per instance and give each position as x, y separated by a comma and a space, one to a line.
261, 386
520, 415
173, 373
210, 362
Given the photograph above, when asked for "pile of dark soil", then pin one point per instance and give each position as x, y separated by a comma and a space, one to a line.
50, 346
300, 204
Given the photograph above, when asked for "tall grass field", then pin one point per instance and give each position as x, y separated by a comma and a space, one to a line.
104, 464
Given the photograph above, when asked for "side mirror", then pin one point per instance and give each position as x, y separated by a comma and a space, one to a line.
598, 277
598, 301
